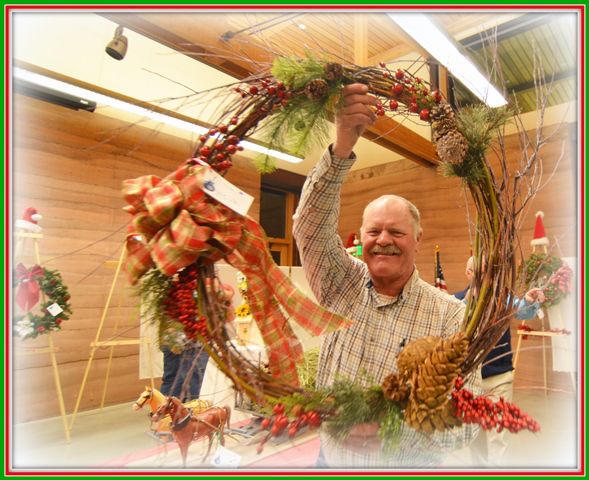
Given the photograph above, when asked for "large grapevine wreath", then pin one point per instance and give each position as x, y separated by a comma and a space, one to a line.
178, 228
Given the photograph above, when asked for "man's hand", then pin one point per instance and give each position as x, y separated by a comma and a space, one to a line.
352, 118
363, 438
535, 295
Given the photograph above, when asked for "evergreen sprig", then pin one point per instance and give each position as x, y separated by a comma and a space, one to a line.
479, 125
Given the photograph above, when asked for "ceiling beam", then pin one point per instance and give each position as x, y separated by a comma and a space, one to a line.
241, 59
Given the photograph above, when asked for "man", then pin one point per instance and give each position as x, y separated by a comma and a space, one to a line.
389, 303
497, 373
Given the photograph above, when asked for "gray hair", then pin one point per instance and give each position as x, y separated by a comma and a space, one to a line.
413, 211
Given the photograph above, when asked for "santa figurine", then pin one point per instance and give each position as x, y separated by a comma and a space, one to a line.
29, 220
353, 246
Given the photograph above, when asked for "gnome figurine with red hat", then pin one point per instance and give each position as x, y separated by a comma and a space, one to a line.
29, 220
540, 239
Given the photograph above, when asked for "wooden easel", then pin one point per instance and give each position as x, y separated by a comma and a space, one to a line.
97, 343
51, 349
544, 333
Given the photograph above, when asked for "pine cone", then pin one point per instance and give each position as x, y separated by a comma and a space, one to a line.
429, 408
316, 89
442, 127
441, 110
395, 389
333, 71
414, 354
452, 147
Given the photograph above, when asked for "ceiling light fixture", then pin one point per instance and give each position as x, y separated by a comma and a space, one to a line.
117, 47
140, 111
445, 51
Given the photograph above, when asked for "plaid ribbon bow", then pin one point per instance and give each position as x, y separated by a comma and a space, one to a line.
175, 223
28, 292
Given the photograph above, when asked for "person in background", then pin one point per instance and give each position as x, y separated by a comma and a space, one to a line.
497, 372
184, 372
384, 295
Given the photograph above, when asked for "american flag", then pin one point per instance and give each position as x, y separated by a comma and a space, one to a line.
439, 273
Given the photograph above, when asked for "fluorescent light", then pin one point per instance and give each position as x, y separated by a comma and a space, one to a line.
437, 44
140, 111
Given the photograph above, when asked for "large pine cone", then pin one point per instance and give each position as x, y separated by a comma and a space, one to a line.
428, 408
441, 110
442, 127
395, 389
316, 89
414, 354
452, 147
333, 71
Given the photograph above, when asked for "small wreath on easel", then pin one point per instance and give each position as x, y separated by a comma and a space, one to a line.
55, 309
538, 270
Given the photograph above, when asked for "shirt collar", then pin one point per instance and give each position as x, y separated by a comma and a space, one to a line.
405, 293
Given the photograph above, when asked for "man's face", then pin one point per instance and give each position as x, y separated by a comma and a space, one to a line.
389, 241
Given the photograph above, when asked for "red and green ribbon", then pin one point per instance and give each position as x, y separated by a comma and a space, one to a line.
175, 224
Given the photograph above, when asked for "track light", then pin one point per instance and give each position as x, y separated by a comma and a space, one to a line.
117, 47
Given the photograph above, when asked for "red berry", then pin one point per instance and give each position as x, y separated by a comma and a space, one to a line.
205, 151
398, 89
413, 107
253, 90
230, 149
382, 64
399, 74
292, 431
266, 423
203, 138
424, 115
233, 121
393, 105
222, 128
278, 409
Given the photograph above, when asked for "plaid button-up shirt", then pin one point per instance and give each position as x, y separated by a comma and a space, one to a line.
367, 350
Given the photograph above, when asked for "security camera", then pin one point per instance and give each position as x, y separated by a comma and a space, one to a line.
117, 47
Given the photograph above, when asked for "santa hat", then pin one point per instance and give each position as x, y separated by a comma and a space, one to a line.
539, 232
29, 220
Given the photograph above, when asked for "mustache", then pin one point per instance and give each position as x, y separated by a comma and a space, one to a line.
388, 250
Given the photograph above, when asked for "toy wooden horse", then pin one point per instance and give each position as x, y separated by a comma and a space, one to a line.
188, 427
154, 398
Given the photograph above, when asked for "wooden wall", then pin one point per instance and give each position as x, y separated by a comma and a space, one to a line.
445, 218
70, 165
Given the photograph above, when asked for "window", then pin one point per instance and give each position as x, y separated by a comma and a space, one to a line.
278, 200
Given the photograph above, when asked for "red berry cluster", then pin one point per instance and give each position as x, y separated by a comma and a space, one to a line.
525, 328
181, 304
490, 415
267, 87
414, 93
216, 147
279, 422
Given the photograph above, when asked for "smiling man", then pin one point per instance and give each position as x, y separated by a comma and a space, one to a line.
383, 295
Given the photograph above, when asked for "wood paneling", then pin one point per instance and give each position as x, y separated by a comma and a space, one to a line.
70, 165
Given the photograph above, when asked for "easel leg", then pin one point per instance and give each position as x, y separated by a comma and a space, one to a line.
98, 332
519, 344
58, 388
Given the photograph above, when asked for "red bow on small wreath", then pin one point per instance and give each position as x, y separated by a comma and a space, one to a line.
27, 295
